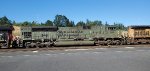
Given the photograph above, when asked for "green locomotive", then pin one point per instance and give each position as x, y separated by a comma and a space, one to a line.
47, 36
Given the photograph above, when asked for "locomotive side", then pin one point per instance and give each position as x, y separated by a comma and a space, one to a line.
46, 36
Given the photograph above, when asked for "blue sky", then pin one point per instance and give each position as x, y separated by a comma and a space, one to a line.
128, 12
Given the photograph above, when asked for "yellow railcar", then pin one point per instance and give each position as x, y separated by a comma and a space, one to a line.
139, 34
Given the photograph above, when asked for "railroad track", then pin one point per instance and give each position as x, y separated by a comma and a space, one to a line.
70, 47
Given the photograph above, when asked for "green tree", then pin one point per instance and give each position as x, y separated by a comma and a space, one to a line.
48, 23
42, 24
88, 22
26, 23
80, 23
70, 24
4, 21
106, 24
34, 23
120, 26
93, 23
61, 21
14, 23
97, 22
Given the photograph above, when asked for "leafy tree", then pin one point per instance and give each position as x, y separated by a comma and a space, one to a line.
26, 23
96, 22
80, 23
120, 26
14, 23
34, 23
71, 24
93, 23
4, 21
88, 22
106, 24
48, 23
42, 24
61, 21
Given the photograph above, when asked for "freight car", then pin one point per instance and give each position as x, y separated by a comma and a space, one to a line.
139, 34
47, 36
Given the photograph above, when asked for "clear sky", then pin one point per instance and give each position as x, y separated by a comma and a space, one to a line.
128, 12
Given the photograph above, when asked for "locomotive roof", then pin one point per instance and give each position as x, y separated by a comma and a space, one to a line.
111, 26
140, 26
6, 28
44, 27
38, 27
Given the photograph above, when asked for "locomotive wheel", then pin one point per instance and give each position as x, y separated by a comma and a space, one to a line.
26, 45
44, 45
34, 46
109, 42
40, 46
50, 45
3, 45
118, 42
